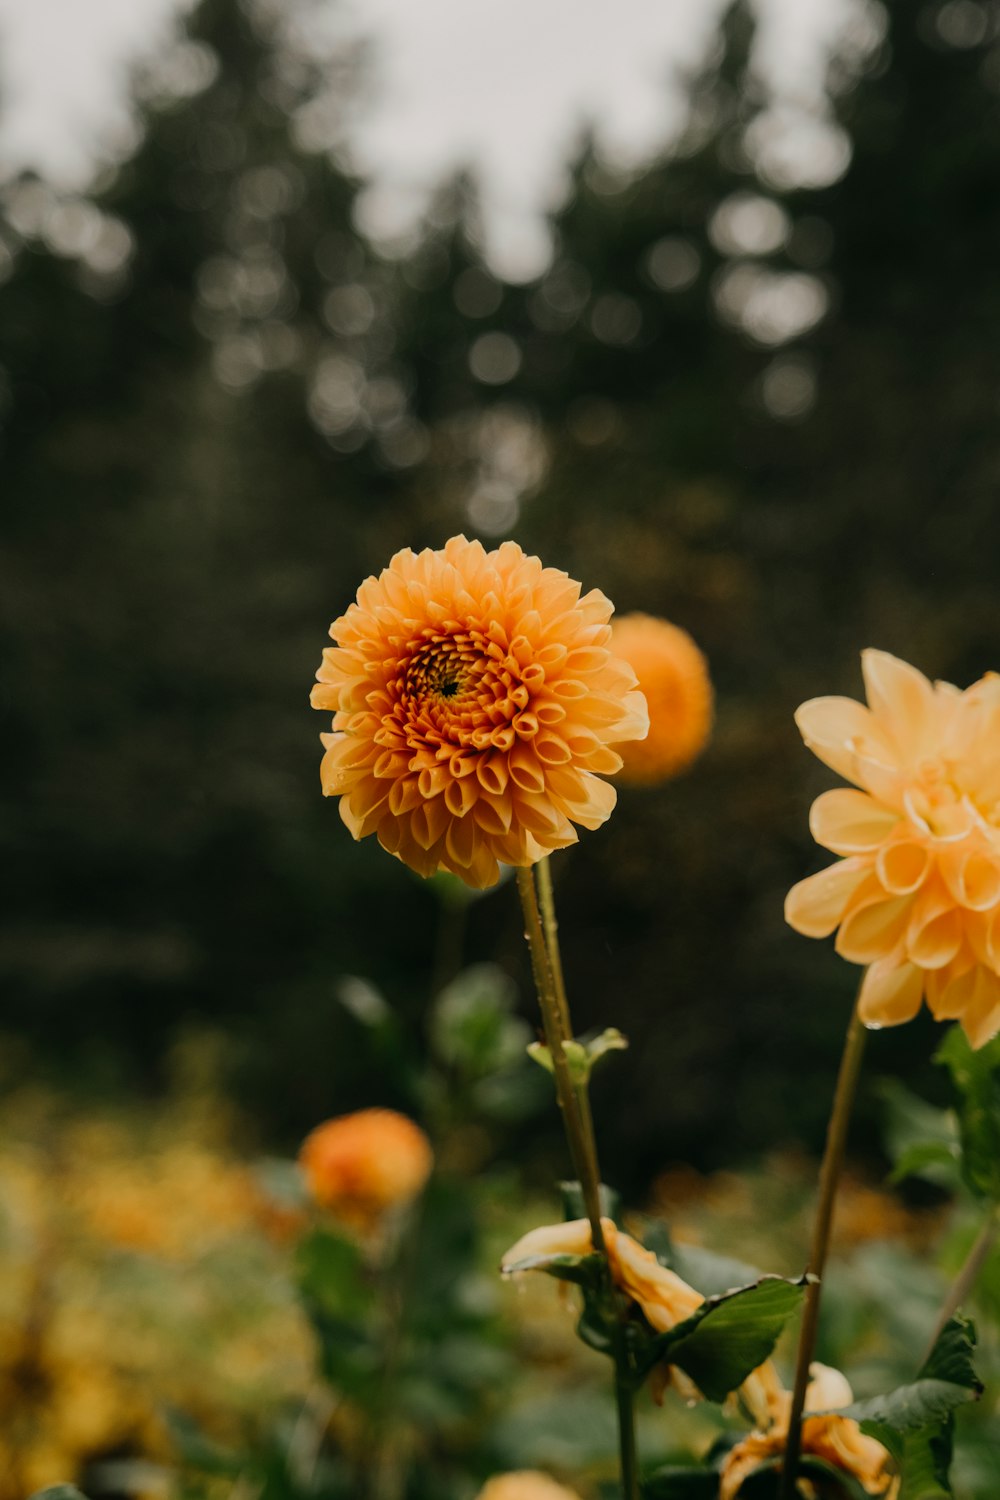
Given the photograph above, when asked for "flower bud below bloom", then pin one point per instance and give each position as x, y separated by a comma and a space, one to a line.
673, 676
360, 1165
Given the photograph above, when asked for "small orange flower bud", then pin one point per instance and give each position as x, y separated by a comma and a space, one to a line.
362, 1164
673, 676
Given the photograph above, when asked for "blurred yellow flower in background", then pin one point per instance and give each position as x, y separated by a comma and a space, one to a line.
673, 676
138, 1271
525, 1484
362, 1164
837, 1440
475, 699
916, 895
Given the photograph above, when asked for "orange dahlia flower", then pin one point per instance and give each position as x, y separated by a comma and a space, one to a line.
362, 1164
525, 1484
916, 895
673, 675
837, 1440
475, 701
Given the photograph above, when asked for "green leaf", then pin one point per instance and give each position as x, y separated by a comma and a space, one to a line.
705, 1270
947, 1380
575, 1208
582, 1270
922, 1457
921, 1141
331, 1273
976, 1076
729, 1335
674, 1483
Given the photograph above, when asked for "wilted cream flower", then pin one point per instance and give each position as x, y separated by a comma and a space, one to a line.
525, 1484
673, 675
665, 1299
362, 1164
475, 701
838, 1440
916, 896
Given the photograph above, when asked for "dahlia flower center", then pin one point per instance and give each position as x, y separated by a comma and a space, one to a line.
438, 670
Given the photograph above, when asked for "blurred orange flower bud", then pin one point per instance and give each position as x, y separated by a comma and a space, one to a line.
526, 1484
362, 1164
673, 676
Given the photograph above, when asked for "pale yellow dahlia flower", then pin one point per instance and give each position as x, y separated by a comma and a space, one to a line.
673, 676
362, 1164
838, 1440
525, 1484
916, 896
475, 701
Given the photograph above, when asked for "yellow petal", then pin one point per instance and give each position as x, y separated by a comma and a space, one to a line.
890, 994
850, 822
873, 929
935, 932
903, 865
846, 737
572, 1238
902, 701
816, 905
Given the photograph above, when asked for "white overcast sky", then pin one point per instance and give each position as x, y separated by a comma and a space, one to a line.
502, 85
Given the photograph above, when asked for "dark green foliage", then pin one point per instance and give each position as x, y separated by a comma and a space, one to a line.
976, 1076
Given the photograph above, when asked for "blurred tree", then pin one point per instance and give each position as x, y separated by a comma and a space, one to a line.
764, 410
202, 436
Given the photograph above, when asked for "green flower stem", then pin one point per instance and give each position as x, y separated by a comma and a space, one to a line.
969, 1274
552, 1024
833, 1160
547, 906
541, 931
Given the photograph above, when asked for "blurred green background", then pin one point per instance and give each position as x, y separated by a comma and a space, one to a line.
769, 413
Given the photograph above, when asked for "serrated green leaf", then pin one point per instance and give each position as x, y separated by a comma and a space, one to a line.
976, 1076
674, 1483
729, 1335
946, 1380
